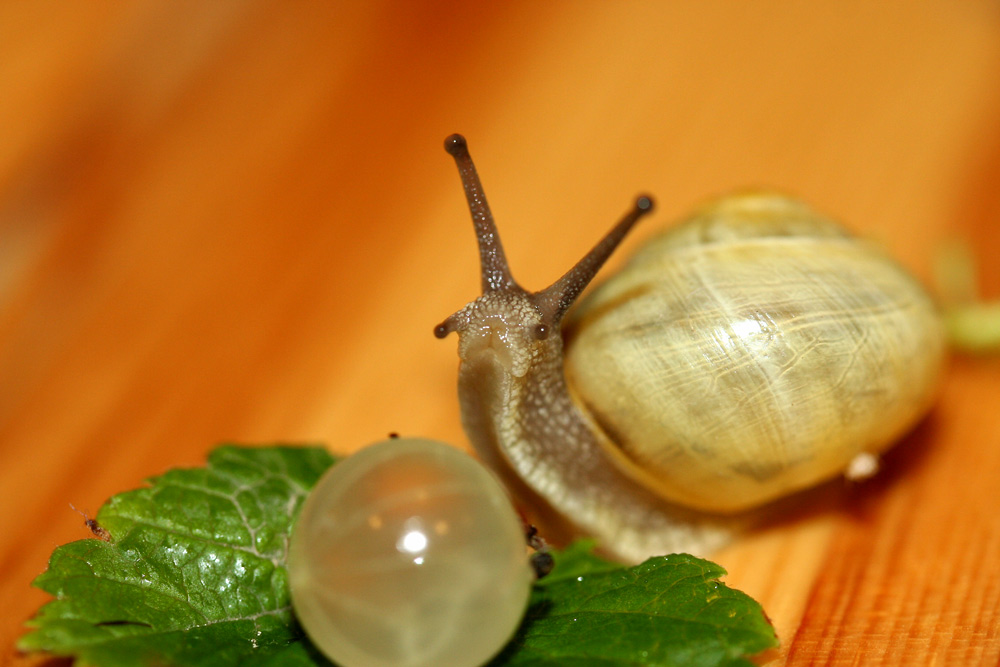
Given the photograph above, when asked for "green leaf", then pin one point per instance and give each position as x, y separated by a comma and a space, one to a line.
974, 327
670, 610
972, 323
194, 575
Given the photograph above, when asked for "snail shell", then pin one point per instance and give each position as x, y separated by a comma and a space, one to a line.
754, 350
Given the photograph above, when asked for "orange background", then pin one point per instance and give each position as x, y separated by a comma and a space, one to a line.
236, 221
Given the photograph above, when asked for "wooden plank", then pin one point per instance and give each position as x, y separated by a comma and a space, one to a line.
236, 222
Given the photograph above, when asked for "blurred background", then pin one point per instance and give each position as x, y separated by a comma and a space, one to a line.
236, 221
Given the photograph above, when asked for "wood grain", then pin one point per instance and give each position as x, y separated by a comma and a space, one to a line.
235, 221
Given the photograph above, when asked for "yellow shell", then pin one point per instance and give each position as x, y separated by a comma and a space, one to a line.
753, 350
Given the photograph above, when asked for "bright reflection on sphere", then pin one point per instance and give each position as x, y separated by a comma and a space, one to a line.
409, 553
413, 542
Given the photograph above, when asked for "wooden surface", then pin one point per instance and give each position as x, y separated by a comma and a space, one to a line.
235, 221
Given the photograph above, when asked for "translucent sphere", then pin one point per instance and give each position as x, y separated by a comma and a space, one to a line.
409, 553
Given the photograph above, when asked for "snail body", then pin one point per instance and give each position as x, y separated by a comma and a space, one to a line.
752, 351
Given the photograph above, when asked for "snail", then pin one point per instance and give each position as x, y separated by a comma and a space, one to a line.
410, 553
753, 351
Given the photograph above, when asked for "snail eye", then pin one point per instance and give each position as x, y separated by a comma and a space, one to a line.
409, 552
540, 331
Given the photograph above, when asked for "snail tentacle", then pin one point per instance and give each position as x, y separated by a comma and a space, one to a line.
560, 295
495, 271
